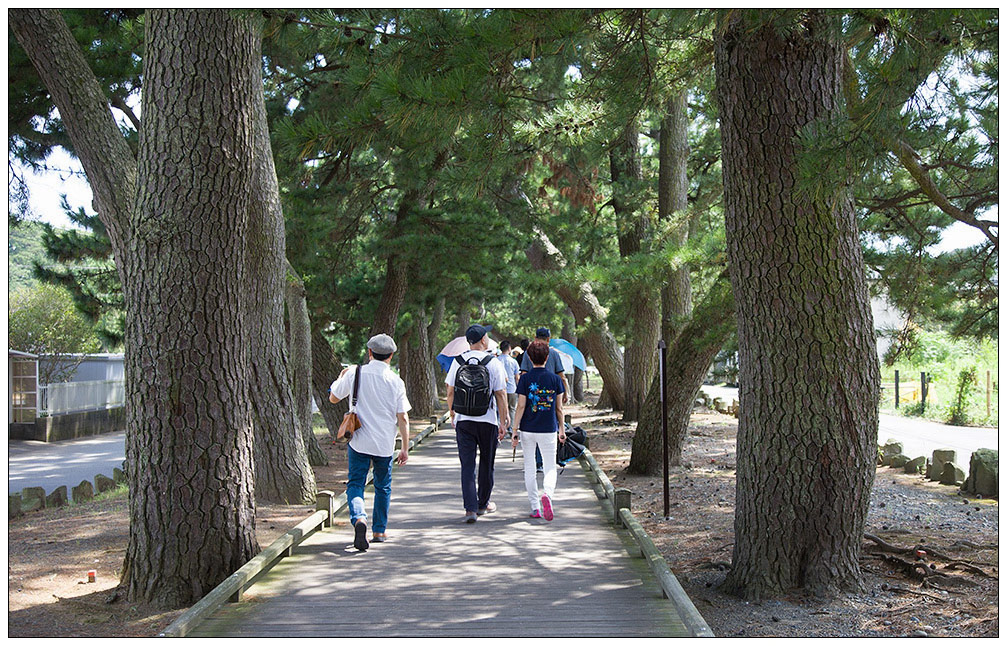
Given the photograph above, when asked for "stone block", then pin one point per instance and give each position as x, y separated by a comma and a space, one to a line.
119, 476
83, 492
951, 474
940, 457
983, 474
103, 483
32, 498
918, 465
898, 461
14, 506
891, 449
57, 498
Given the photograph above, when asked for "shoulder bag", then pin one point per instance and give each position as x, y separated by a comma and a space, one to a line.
350, 422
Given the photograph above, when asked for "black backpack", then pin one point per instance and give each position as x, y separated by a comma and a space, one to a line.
472, 392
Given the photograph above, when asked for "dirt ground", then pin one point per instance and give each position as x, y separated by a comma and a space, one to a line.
50, 552
960, 537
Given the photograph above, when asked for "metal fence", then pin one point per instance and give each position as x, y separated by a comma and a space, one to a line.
77, 396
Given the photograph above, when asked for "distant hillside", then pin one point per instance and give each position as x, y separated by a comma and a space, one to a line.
24, 247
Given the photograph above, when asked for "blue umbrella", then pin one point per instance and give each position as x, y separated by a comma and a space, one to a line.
565, 346
444, 361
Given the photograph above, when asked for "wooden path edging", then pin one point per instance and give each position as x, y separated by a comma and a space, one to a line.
623, 516
231, 588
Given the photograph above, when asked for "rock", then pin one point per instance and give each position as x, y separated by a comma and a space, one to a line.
917, 465
57, 498
890, 450
14, 506
940, 457
119, 476
951, 474
32, 498
898, 461
920, 633
82, 492
103, 483
983, 473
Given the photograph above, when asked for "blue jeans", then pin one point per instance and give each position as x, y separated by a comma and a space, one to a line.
359, 465
483, 438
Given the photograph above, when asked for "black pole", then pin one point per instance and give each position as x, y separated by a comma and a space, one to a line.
897, 390
923, 392
663, 424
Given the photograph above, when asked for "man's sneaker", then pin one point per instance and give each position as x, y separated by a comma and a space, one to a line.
488, 509
360, 541
535, 514
470, 517
379, 537
546, 507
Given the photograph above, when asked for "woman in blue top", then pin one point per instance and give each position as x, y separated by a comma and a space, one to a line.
538, 424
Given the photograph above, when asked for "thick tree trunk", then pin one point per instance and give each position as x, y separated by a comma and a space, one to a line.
642, 297
176, 217
326, 368
809, 375
396, 283
688, 361
282, 472
416, 366
676, 307
591, 320
432, 334
672, 202
299, 351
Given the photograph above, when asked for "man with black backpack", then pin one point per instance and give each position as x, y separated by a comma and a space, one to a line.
476, 398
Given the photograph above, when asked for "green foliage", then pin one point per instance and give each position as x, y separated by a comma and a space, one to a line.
945, 358
966, 384
42, 320
24, 248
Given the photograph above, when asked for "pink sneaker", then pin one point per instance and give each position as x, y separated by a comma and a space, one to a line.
546, 507
535, 514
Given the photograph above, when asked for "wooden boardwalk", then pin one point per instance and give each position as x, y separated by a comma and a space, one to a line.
506, 575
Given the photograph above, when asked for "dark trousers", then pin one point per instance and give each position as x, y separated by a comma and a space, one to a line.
483, 438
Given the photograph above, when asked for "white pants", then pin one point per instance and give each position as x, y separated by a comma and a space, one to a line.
548, 443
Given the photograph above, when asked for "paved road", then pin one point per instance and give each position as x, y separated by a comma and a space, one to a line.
53, 464
918, 437
505, 576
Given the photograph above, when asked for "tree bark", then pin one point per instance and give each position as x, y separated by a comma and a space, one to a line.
282, 472
591, 320
688, 361
809, 374
642, 298
676, 307
176, 217
672, 202
299, 351
396, 283
416, 367
325, 368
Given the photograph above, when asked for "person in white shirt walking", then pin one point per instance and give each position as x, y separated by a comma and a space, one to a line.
381, 406
476, 398
512, 370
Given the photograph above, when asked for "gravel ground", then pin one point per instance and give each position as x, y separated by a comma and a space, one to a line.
905, 511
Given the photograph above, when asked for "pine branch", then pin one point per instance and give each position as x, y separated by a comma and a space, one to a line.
910, 160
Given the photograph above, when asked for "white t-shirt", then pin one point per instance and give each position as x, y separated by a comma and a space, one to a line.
497, 382
380, 399
511, 369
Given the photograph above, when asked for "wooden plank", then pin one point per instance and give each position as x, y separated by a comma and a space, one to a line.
506, 575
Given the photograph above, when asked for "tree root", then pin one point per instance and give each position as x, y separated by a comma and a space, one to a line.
921, 570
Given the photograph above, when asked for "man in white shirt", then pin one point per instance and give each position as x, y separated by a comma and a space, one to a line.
478, 433
512, 370
381, 406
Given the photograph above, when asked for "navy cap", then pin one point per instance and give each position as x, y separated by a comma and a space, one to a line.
543, 332
475, 333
